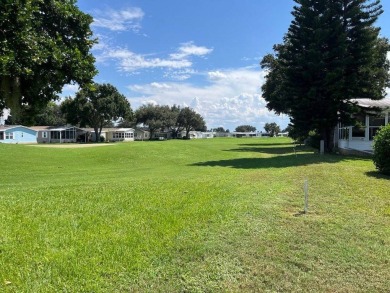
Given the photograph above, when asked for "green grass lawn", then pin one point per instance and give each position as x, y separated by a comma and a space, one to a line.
217, 215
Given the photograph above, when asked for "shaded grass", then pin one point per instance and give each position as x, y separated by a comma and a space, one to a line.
191, 216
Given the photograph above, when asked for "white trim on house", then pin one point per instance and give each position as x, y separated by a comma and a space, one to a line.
113, 134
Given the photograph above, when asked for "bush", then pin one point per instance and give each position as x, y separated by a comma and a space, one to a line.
382, 150
313, 140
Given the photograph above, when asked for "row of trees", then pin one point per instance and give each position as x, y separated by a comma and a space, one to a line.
331, 54
272, 128
100, 105
174, 119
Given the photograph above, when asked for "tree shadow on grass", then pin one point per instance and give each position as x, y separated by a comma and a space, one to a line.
268, 144
290, 160
273, 149
377, 175
270, 150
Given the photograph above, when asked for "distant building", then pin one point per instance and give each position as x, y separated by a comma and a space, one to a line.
246, 134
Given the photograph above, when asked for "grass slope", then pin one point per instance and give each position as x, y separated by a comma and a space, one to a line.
191, 216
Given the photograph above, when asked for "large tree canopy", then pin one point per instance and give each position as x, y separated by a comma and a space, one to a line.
44, 44
331, 54
96, 106
245, 128
272, 128
165, 118
50, 115
156, 117
189, 120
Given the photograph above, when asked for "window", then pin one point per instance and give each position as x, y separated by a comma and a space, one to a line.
344, 133
44, 134
9, 135
359, 130
1, 135
119, 135
375, 124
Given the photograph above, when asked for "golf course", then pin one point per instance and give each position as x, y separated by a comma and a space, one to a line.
205, 215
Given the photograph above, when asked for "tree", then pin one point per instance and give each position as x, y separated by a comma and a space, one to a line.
272, 128
126, 123
219, 129
43, 46
189, 120
245, 128
96, 106
50, 115
155, 117
175, 128
331, 55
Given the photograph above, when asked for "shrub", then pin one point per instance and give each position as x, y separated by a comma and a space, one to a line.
313, 139
382, 150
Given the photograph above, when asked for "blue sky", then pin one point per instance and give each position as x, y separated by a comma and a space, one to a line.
199, 53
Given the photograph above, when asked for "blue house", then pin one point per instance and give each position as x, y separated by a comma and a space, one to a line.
17, 134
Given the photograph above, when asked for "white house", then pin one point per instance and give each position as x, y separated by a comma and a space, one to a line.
193, 134
246, 134
360, 137
113, 134
141, 134
120, 134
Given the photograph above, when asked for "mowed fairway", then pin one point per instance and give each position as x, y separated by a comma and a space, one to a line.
217, 215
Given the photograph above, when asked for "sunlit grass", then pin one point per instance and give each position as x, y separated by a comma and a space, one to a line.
193, 216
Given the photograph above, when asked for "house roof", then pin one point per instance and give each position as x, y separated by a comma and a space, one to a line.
141, 130
110, 129
38, 128
6, 127
368, 103
53, 128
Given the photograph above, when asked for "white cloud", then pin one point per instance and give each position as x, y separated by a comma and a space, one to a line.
128, 19
137, 62
160, 85
189, 49
217, 75
69, 90
178, 65
181, 74
231, 98
129, 61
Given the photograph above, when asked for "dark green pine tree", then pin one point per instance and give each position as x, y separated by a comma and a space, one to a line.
331, 54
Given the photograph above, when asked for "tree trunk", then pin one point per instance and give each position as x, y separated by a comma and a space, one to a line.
327, 136
97, 134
